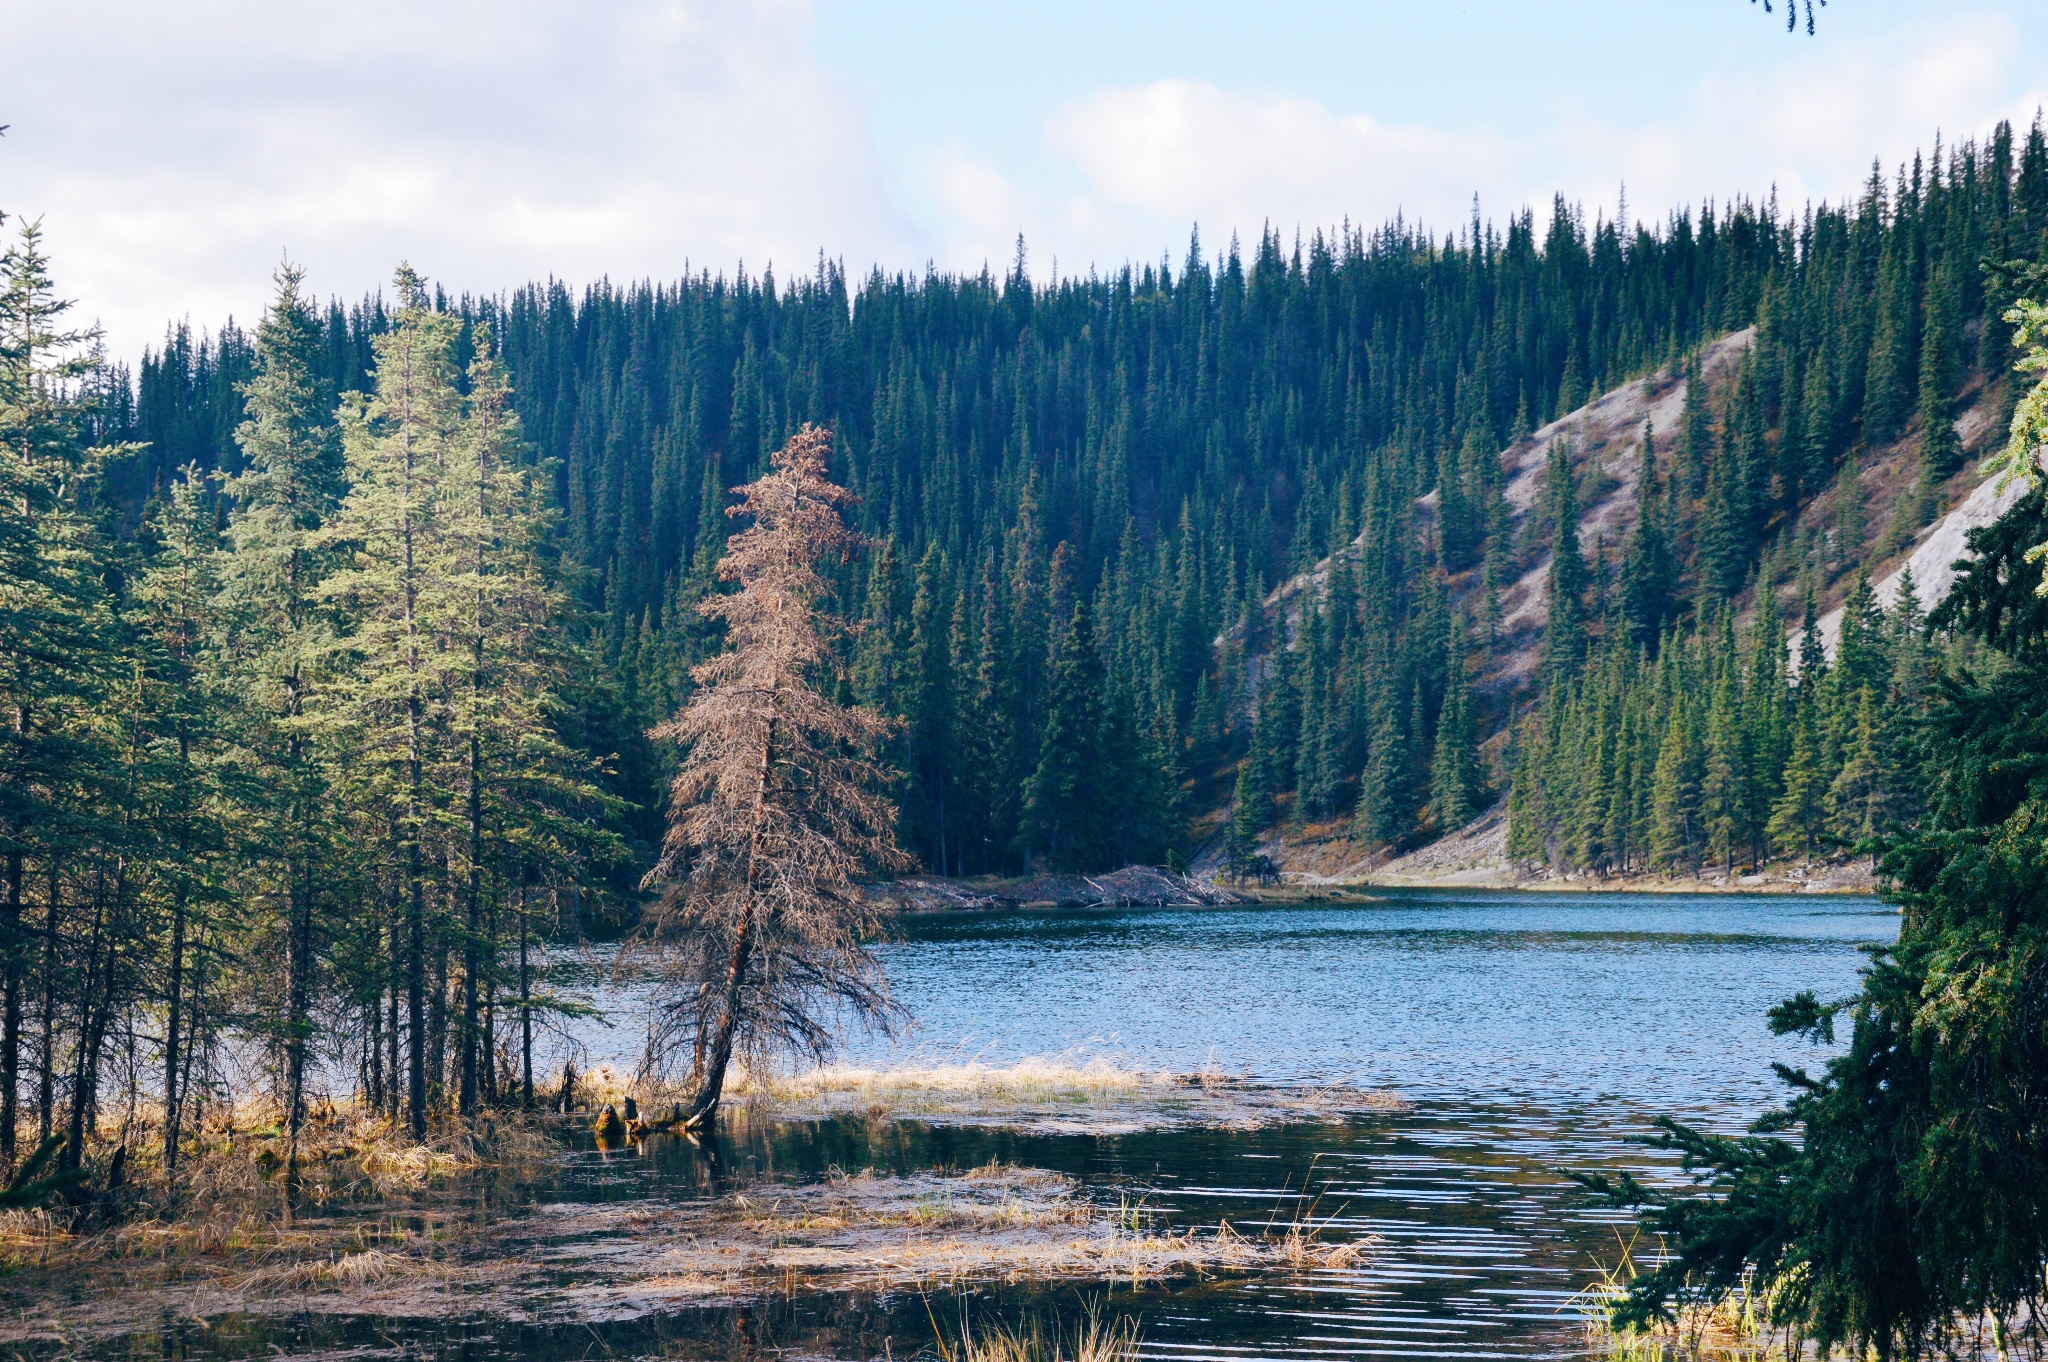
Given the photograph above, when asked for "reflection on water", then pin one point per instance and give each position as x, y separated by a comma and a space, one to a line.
1530, 1031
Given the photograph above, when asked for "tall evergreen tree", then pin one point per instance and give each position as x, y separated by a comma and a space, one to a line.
1064, 809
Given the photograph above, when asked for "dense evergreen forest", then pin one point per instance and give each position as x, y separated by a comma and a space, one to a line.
332, 649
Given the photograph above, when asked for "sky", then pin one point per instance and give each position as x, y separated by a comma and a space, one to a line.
175, 153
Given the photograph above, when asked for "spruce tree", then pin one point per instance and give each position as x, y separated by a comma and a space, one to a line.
384, 707
1454, 768
1382, 815
1798, 816
56, 643
1564, 633
1649, 573
1941, 452
289, 487
1065, 803
777, 810
1677, 827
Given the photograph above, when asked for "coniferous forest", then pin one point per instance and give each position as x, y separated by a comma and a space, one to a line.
332, 647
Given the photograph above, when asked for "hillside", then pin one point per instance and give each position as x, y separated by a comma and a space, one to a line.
1605, 435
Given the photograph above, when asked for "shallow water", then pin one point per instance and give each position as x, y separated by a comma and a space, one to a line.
1529, 1032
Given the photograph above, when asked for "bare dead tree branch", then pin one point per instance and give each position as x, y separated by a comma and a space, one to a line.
778, 810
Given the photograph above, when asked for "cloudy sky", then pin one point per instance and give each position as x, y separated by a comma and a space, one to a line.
174, 152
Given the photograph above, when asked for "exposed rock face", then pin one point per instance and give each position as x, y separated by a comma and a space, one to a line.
1135, 886
1606, 435
1933, 562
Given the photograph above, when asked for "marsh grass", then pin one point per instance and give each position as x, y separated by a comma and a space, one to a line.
1092, 1339
235, 1206
1079, 1089
1734, 1329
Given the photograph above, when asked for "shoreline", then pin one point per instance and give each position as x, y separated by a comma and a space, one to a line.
1150, 887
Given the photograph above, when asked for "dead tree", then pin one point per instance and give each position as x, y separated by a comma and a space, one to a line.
778, 810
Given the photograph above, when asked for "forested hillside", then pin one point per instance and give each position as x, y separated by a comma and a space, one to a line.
331, 650
1145, 454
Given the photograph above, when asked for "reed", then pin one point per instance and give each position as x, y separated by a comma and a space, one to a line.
1735, 1328
1090, 1340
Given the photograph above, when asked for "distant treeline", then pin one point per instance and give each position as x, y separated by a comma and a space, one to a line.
1165, 445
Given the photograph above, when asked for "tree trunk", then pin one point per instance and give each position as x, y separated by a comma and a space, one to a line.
416, 994
437, 1012
373, 1052
10, 977
299, 989
84, 1065
713, 1084
46, 1075
712, 1088
175, 992
10, 1001
487, 1075
473, 924
525, 999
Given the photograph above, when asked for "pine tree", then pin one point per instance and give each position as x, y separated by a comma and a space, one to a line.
1382, 815
928, 705
1064, 811
1677, 828
1798, 816
55, 642
776, 810
1941, 452
391, 669
1248, 803
184, 727
1564, 637
1857, 798
1649, 573
1454, 768
289, 487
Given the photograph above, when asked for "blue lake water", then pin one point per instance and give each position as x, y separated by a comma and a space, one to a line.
1527, 1032
1551, 998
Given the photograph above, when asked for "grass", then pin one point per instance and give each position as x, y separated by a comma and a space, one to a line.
1075, 1090
231, 1208
1734, 1329
1091, 1340
406, 1235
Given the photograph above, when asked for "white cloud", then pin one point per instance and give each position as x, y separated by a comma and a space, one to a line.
1186, 150
175, 151
1154, 158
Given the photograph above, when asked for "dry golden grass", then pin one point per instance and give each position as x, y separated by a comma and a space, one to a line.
1074, 1091
870, 1232
594, 1260
232, 1208
1090, 1341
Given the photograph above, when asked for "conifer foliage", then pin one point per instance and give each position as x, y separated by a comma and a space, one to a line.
1895, 1205
1172, 443
292, 755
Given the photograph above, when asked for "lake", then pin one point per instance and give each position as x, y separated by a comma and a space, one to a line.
1527, 1032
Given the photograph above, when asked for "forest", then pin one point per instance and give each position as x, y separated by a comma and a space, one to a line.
331, 650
